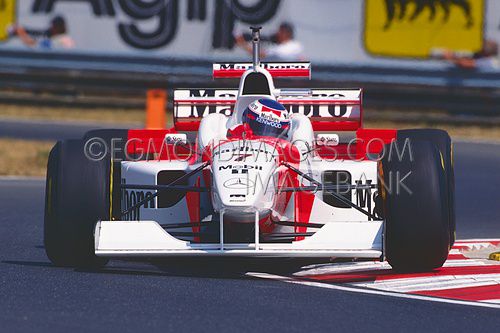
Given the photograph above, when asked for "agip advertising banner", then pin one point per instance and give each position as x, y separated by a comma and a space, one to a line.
330, 31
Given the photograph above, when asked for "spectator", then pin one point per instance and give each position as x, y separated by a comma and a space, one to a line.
55, 37
487, 58
286, 48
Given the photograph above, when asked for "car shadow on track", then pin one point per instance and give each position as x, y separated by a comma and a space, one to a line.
231, 267
221, 268
27, 263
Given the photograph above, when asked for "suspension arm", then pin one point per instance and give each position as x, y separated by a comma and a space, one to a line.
333, 193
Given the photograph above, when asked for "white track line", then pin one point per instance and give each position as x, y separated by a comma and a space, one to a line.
372, 291
444, 282
469, 262
352, 267
349, 267
496, 301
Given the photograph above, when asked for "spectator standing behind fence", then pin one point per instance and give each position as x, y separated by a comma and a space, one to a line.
285, 47
486, 58
54, 37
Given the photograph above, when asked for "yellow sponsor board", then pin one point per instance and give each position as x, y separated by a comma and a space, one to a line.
7, 17
414, 28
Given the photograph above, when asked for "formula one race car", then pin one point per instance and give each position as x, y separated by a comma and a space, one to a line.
254, 172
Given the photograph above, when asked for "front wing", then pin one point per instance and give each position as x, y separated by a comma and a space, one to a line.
148, 239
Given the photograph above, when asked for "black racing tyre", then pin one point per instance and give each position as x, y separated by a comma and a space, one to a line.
77, 196
115, 140
415, 207
443, 141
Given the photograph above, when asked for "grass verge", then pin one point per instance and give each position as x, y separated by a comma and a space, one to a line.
24, 157
97, 115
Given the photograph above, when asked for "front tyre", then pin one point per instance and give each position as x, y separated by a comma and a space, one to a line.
77, 196
443, 142
416, 211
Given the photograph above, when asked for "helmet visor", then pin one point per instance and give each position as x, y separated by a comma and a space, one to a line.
266, 126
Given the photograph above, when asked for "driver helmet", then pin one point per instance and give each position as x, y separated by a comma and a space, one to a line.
266, 117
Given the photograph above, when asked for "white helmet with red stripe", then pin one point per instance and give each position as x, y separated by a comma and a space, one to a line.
266, 117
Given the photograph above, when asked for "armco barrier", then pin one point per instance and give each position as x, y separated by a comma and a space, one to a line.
438, 87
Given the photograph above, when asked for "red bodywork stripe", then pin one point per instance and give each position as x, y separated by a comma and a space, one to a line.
237, 73
303, 207
193, 204
193, 124
372, 141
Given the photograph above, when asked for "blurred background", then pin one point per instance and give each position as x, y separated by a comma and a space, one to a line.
70, 65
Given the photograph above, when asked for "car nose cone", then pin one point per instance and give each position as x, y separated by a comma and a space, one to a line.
239, 183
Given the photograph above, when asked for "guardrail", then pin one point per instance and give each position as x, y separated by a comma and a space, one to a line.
439, 88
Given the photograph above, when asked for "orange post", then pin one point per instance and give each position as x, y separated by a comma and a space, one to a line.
156, 108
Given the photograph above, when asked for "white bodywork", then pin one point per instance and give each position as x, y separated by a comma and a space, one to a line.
243, 189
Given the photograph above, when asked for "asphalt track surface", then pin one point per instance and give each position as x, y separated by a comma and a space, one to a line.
208, 295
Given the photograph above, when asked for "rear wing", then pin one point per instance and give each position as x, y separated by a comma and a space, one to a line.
276, 69
328, 109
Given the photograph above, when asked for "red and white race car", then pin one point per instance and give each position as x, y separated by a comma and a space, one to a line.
211, 186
